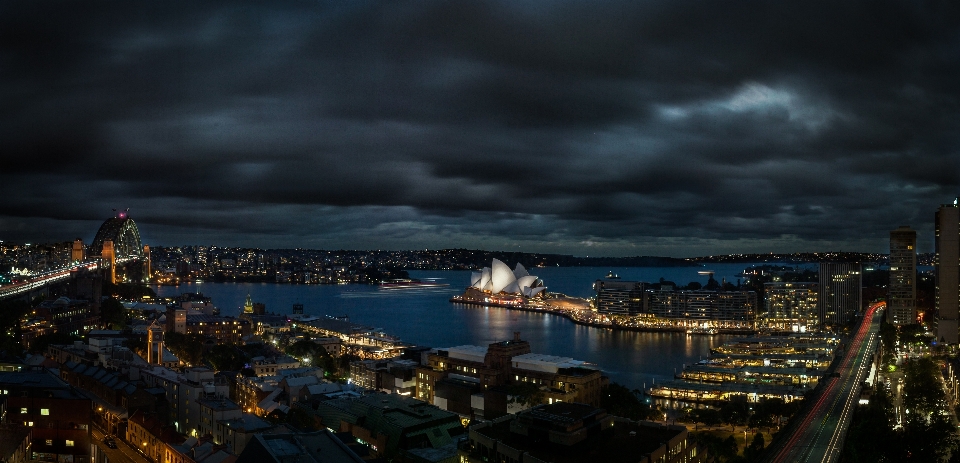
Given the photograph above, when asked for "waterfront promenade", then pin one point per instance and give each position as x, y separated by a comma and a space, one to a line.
578, 310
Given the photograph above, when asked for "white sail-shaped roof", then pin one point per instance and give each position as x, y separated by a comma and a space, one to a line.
500, 276
485, 278
520, 271
530, 292
526, 281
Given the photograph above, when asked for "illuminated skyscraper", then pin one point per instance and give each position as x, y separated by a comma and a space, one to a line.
947, 267
839, 298
902, 292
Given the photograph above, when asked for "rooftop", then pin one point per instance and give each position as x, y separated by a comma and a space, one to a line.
247, 422
546, 363
467, 352
614, 445
32, 379
315, 447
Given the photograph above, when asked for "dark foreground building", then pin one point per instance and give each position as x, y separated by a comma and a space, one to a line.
576, 433
57, 414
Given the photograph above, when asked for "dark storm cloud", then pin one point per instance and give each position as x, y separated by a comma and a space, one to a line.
596, 128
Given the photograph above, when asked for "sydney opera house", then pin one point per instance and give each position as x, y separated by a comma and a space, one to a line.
499, 280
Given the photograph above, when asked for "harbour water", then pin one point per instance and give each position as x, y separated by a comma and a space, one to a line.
426, 317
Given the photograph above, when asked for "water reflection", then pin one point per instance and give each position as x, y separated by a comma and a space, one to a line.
428, 318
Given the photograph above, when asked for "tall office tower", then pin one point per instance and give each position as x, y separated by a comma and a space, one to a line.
902, 292
839, 298
947, 266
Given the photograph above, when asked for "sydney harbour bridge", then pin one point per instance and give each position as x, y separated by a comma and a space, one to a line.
116, 251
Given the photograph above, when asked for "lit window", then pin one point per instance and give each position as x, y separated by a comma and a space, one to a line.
45, 411
49, 442
23, 410
69, 443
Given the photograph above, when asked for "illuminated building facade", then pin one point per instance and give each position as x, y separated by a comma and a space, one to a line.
461, 378
791, 306
617, 297
736, 307
902, 292
226, 330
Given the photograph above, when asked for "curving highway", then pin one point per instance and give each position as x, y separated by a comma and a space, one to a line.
817, 434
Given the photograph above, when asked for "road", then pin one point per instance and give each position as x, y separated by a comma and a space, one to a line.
122, 454
817, 435
42, 279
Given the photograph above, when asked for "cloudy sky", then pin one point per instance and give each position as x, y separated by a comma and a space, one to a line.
676, 128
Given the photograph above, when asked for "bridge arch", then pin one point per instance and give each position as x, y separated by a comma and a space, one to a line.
124, 234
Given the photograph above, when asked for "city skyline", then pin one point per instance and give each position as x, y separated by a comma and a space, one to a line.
613, 129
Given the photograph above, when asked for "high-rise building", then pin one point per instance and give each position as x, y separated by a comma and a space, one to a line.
902, 292
616, 297
791, 306
840, 288
947, 266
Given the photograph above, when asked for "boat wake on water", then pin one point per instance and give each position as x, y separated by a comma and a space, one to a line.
386, 293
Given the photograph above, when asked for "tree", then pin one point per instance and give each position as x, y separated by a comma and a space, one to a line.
734, 412
113, 314
708, 416
40, 343
751, 452
138, 345
11, 312
712, 284
620, 401
300, 419
187, 347
226, 357
525, 393
722, 450
128, 291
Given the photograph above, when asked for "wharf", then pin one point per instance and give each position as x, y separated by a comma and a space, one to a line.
572, 314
